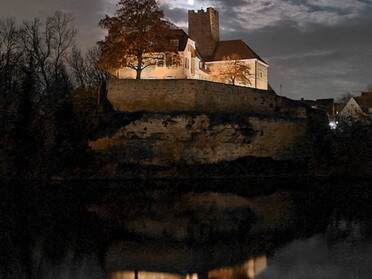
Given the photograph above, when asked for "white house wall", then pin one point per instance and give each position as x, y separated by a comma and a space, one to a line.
256, 79
189, 68
261, 74
351, 110
179, 71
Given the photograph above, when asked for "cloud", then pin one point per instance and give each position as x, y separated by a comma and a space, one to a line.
314, 47
177, 15
87, 14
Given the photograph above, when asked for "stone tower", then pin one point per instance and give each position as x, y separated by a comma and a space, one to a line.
204, 29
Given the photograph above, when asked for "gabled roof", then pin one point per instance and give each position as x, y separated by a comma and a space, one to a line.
339, 107
181, 36
364, 101
234, 48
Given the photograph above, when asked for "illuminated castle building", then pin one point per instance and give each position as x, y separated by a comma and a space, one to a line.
203, 56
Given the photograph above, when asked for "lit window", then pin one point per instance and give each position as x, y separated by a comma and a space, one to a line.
160, 63
170, 60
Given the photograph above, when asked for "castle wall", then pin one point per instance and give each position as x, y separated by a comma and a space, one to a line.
187, 95
195, 121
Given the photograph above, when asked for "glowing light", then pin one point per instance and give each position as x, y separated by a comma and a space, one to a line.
333, 124
190, 2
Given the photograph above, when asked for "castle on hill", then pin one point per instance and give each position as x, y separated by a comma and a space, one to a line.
203, 56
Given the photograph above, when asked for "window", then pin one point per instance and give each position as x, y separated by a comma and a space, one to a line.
170, 60
160, 62
175, 42
186, 63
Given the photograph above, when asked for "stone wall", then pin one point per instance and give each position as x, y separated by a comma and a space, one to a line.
188, 95
197, 122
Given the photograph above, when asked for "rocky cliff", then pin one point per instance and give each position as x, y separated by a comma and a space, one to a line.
224, 123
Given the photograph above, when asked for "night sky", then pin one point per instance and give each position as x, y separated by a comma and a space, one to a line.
315, 48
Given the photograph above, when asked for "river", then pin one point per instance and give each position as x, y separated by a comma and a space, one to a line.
260, 228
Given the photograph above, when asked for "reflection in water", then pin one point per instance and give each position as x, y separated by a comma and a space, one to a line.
64, 231
150, 275
247, 270
250, 269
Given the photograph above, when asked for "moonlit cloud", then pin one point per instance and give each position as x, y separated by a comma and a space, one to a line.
315, 48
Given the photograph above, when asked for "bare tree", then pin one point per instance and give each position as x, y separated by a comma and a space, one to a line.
138, 36
48, 43
231, 70
344, 98
9, 52
63, 35
79, 67
92, 58
85, 67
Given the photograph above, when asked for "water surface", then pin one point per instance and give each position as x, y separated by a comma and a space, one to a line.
259, 228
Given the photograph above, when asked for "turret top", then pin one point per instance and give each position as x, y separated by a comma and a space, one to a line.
209, 10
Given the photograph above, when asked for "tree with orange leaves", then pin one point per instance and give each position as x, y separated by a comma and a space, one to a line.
232, 70
138, 36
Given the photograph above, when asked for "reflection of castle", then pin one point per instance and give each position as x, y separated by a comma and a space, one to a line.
247, 270
202, 51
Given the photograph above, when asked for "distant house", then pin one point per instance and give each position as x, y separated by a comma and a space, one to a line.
200, 51
358, 108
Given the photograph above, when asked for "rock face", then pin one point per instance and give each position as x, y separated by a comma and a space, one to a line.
188, 122
162, 139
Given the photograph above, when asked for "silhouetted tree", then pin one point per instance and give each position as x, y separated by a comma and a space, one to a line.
345, 98
48, 42
85, 70
40, 133
138, 36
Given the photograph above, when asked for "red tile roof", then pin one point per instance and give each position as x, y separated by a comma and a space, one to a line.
364, 101
181, 36
234, 48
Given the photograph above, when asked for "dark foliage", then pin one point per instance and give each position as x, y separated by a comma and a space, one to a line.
45, 118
